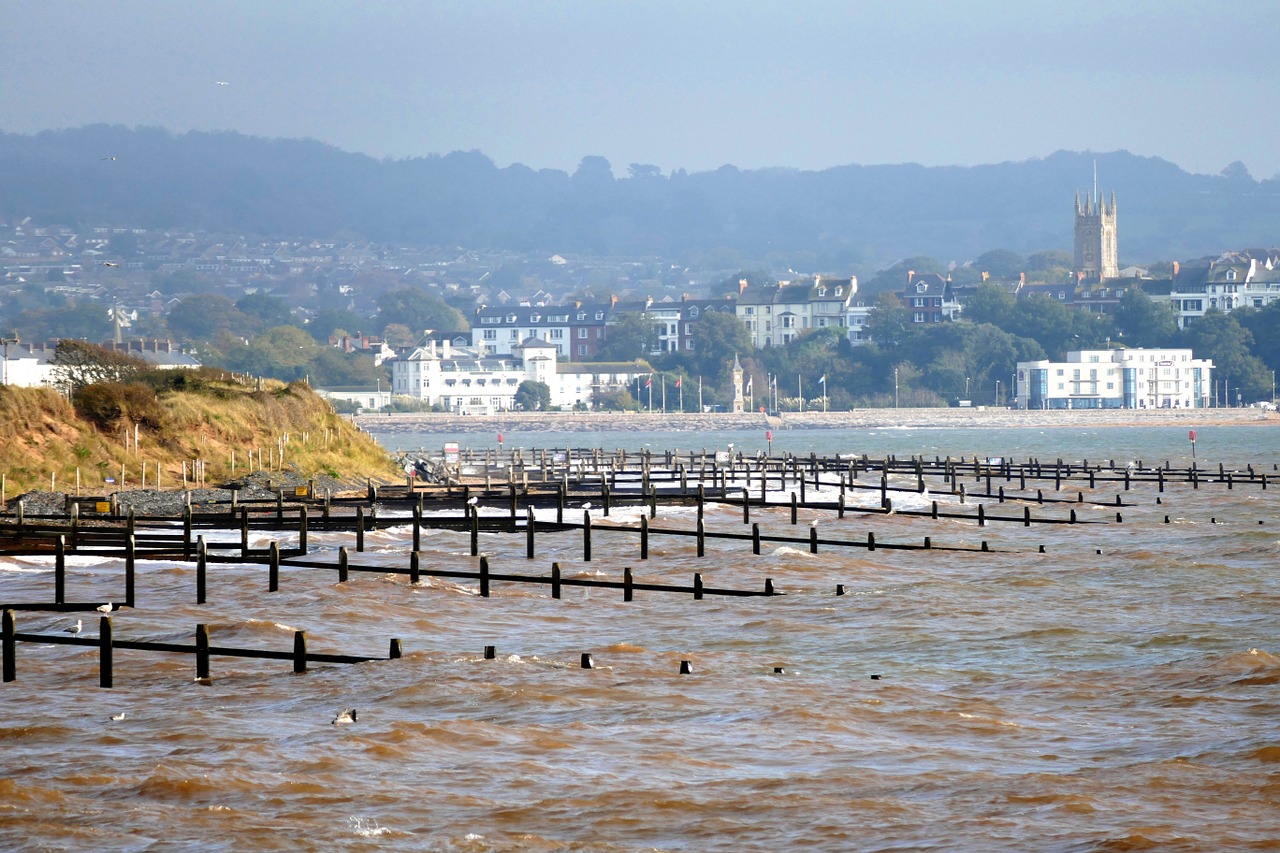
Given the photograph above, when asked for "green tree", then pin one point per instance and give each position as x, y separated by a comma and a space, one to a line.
990, 303
1222, 338
717, 337
202, 315
1001, 263
78, 364
1144, 322
631, 336
262, 311
532, 396
330, 320
419, 310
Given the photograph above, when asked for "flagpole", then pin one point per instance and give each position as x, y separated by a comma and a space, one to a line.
664, 393
800, 390
680, 388
700, 392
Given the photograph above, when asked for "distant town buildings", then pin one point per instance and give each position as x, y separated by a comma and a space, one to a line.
1116, 379
776, 314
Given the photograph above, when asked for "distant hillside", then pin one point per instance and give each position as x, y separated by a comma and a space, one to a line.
838, 218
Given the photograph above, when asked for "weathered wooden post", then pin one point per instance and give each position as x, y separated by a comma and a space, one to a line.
702, 499
300, 649
273, 567
813, 539
202, 556
130, 554
10, 652
755, 538
484, 577
697, 586
840, 506
360, 528
302, 528
871, 541
342, 564
628, 583
561, 488
394, 651
415, 572
530, 530
644, 538
105, 649
746, 507
555, 580
202, 651
586, 536
982, 516
702, 538
60, 570
186, 532
653, 498
794, 508
244, 533
1026, 516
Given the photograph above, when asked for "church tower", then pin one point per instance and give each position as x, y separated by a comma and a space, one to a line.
1096, 258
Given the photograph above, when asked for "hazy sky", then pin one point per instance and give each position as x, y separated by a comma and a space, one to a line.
685, 84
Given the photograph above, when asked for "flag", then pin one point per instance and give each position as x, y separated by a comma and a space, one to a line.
678, 379
749, 378
648, 383
823, 379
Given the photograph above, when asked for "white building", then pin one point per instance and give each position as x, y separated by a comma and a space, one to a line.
26, 366
1117, 379
469, 382
775, 315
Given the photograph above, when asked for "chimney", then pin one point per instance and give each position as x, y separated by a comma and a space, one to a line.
1176, 267
1022, 279
444, 349
911, 274
613, 300
742, 285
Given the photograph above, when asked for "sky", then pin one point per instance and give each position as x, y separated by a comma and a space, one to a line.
680, 85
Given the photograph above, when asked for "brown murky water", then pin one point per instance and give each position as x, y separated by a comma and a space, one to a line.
1070, 700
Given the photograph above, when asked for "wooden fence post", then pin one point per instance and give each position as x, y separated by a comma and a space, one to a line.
475, 530
644, 538
586, 536
60, 570
555, 580
360, 528
415, 573
302, 529
628, 583
530, 528
697, 586
10, 646
300, 650
755, 538
201, 559
273, 567
342, 564
202, 651
186, 532
417, 527
702, 538
130, 555
104, 652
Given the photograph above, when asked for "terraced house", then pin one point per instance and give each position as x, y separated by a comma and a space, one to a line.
776, 314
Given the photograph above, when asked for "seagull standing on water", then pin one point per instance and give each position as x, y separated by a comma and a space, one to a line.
75, 629
344, 717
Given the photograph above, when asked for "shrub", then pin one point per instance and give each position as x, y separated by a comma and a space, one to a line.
108, 404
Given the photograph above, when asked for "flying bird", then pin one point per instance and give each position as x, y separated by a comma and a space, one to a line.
75, 629
222, 82
344, 717
107, 158
110, 264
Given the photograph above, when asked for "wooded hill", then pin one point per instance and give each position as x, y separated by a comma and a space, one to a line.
847, 217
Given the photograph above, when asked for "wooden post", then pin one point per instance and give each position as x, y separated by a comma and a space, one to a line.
202, 651
871, 541
244, 533
60, 570
201, 559
793, 508
586, 536
394, 652
484, 577
10, 652
702, 499
840, 506
555, 580
300, 651
605, 497
755, 538
417, 527
702, 538
514, 505
628, 592
130, 553
302, 528
530, 528
982, 516
105, 649
490, 652
274, 567
653, 497
644, 538
186, 532
342, 564
561, 488
1026, 516
415, 573
697, 586
813, 540
746, 507
475, 530
360, 528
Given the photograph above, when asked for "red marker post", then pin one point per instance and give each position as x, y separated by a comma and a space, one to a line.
1192, 435
768, 436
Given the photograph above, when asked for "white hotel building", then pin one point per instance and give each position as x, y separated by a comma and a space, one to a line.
472, 383
1117, 379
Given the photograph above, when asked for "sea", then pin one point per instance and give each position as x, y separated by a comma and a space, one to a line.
1103, 686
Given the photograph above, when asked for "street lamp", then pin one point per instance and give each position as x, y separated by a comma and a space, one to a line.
895, 387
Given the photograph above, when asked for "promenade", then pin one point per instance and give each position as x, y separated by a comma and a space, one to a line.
957, 418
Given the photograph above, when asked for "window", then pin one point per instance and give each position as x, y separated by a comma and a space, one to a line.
535, 318
918, 317
839, 291
922, 288
582, 315
582, 333
688, 344
515, 334
822, 291
748, 310
1231, 275
693, 312
490, 334
557, 334
582, 349
511, 318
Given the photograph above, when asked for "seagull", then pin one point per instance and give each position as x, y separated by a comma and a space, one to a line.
75, 629
118, 717
586, 505
110, 264
344, 717
106, 158
813, 523
105, 608
221, 82
472, 501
